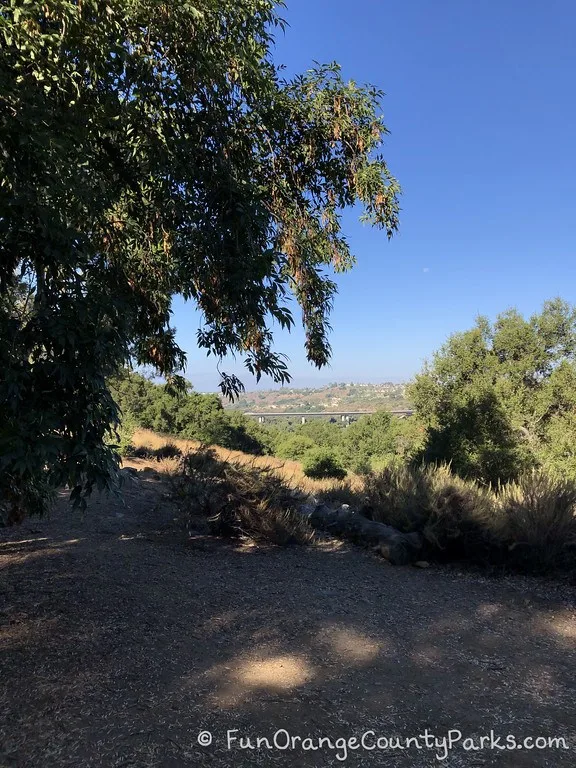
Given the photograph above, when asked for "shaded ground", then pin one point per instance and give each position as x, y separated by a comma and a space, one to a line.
120, 641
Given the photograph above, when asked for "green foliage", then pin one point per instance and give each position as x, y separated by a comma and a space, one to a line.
293, 446
367, 438
146, 151
497, 398
321, 463
126, 429
408, 438
185, 414
323, 433
373, 441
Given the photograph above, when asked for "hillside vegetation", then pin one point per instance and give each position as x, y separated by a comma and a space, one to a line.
374, 439
333, 397
485, 471
527, 525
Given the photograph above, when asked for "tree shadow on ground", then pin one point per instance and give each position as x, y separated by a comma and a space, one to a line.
121, 642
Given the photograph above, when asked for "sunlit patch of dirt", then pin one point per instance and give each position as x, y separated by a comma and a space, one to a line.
282, 672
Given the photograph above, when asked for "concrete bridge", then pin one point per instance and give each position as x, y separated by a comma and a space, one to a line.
345, 416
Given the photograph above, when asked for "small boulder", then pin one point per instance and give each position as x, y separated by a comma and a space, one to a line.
306, 510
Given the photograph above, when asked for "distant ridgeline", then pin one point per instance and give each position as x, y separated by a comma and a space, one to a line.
202, 417
334, 397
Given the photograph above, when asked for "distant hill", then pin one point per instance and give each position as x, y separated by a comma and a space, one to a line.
334, 397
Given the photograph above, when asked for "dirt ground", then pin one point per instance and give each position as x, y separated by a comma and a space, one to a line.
121, 641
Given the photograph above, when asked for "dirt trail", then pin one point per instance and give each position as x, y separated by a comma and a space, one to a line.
120, 642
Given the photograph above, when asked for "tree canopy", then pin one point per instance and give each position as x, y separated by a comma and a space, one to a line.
186, 414
149, 149
501, 397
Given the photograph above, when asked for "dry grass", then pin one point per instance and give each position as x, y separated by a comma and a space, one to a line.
529, 525
536, 519
289, 471
237, 500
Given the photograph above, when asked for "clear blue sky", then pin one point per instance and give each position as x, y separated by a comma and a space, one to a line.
480, 102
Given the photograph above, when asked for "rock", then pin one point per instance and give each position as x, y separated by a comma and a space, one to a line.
415, 540
306, 510
128, 476
322, 515
422, 564
343, 514
396, 550
397, 547
149, 472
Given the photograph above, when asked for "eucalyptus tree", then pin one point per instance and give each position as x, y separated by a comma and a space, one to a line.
152, 148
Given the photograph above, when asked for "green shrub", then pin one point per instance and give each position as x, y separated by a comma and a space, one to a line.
324, 434
122, 438
293, 447
362, 466
320, 463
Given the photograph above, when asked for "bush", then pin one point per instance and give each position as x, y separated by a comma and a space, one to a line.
121, 440
459, 519
453, 515
362, 466
398, 496
537, 523
168, 451
527, 525
293, 447
320, 463
324, 434
238, 500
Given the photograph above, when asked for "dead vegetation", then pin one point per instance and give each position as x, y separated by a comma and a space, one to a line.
289, 471
238, 500
529, 525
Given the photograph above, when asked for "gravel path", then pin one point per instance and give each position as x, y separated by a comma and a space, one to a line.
120, 641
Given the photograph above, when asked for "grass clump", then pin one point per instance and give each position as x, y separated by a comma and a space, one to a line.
238, 500
453, 514
536, 521
527, 525
166, 451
